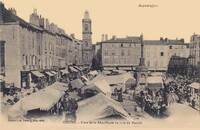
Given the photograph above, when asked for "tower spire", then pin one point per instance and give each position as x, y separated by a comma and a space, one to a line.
87, 39
86, 15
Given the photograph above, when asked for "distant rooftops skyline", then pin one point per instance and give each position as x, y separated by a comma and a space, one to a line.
97, 29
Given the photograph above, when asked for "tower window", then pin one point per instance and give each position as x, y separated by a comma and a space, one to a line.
45, 45
24, 59
113, 52
106, 53
33, 43
129, 53
121, 45
86, 27
122, 53
170, 47
86, 56
148, 63
86, 43
161, 53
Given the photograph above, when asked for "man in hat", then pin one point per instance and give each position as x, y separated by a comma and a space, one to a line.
70, 106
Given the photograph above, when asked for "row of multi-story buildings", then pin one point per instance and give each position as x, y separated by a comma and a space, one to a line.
39, 46
194, 50
172, 55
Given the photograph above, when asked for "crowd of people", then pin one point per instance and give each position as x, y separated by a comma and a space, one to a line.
153, 101
66, 107
180, 87
177, 90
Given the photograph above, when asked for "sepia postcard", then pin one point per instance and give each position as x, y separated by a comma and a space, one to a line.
99, 64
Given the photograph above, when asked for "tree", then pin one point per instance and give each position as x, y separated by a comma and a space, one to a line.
97, 61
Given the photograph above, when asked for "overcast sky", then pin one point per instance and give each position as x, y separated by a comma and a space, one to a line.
172, 18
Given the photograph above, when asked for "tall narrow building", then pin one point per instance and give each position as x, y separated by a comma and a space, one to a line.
87, 39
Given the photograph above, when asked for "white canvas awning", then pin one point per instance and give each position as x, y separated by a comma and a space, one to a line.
91, 87
64, 71
195, 85
124, 68
78, 68
37, 73
44, 99
119, 79
106, 72
98, 107
53, 72
85, 78
94, 72
59, 86
97, 78
77, 83
109, 68
73, 69
120, 71
102, 85
168, 80
2, 77
157, 74
155, 82
154, 79
48, 73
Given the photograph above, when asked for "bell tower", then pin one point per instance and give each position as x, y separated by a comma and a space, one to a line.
87, 39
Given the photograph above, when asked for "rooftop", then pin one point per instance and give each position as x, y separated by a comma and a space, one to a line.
134, 39
123, 40
9, 17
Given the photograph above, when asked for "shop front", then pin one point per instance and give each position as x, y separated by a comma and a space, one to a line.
50, 77
38, 79
25, 79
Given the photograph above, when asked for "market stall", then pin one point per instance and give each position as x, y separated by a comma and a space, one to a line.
154, 83
42, 100
100, 107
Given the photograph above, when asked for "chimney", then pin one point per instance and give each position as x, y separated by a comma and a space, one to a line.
47, 24
13, 11
166, 40
182, 40
106, 37
102, 37
72, 35
114, 37
1, 12
41, 22
34, 18
161, 39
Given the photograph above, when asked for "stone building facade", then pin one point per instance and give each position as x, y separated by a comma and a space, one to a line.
121, 52
194, 50
124, 53
194, 59
33, 46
